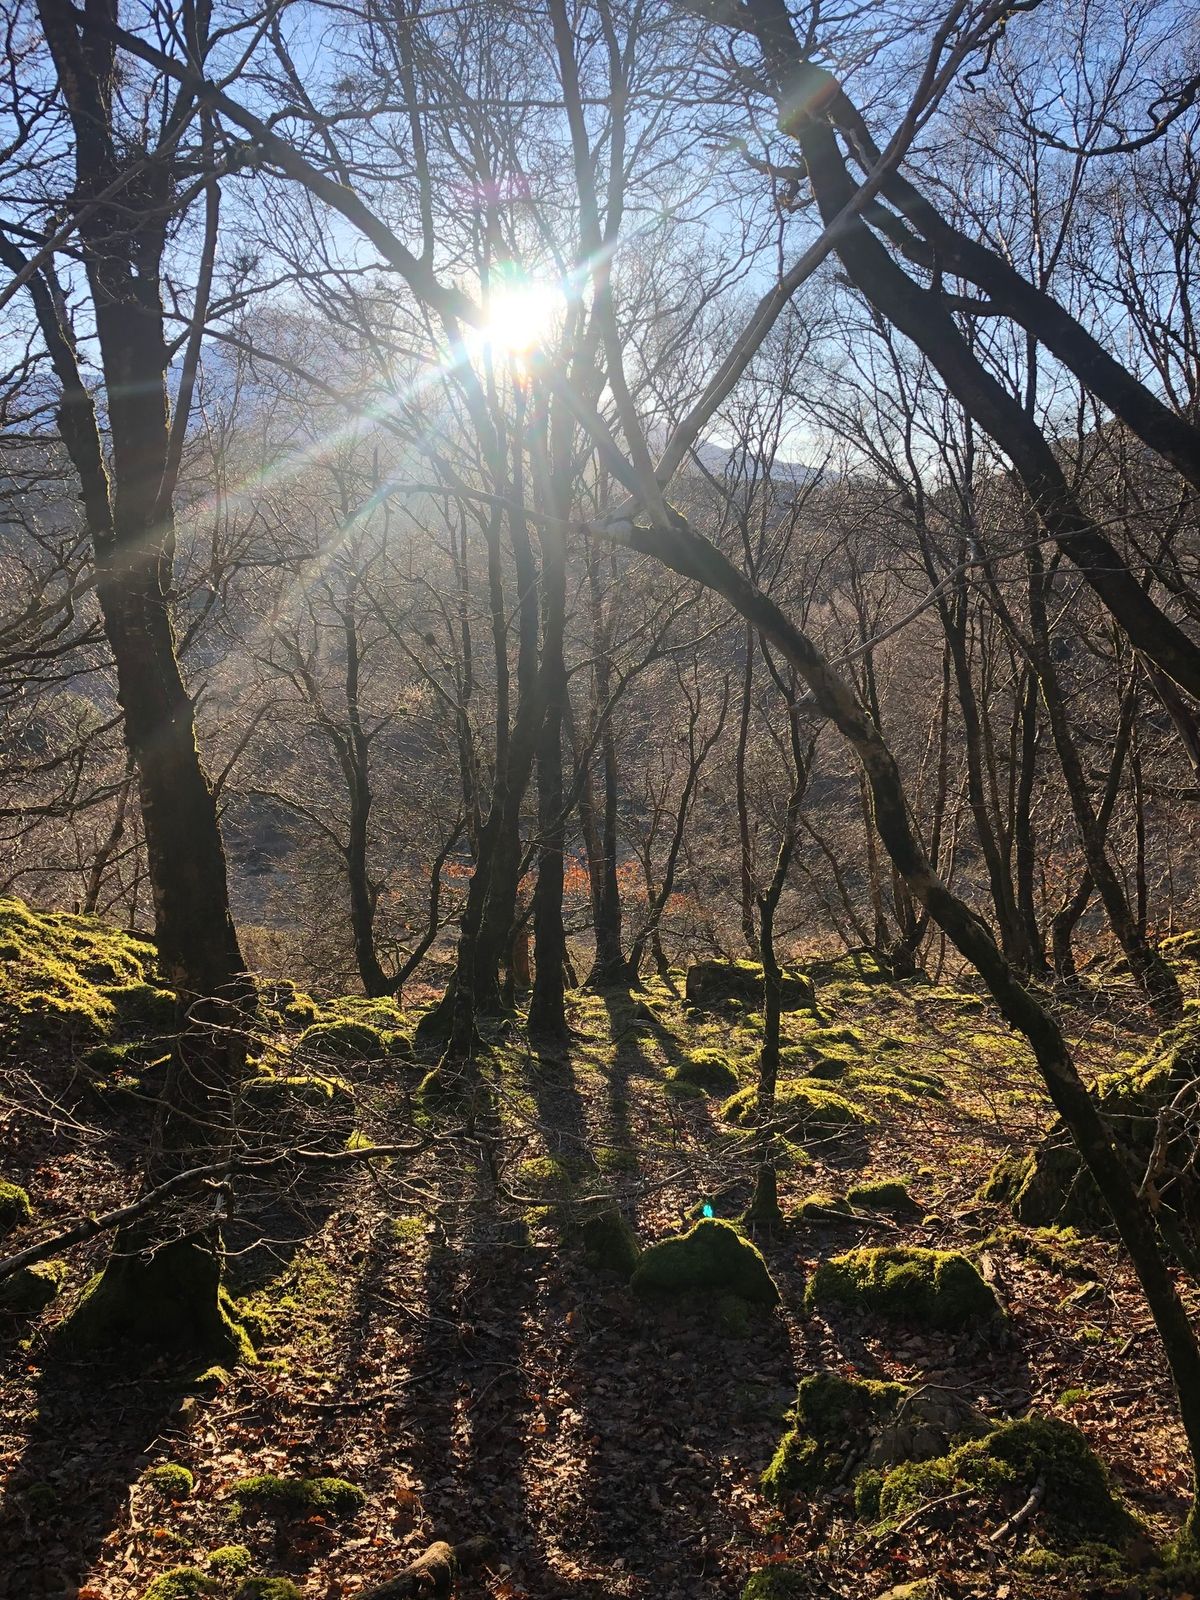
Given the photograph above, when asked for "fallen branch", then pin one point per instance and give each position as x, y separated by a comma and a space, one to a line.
431, 1574
1018, 1519
88, 1227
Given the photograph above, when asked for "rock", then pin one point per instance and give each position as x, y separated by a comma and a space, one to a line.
711, 1257
934, 1288
711, 984
32, 1289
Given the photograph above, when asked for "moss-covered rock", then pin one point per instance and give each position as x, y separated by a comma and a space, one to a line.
299, 1497
818, 1206
839, 1423
260, 1588
1078, 1505
181, 1583
711, 1258
829, 1418
1048, 1186
610, 1242
932, 1288
169, 1479
808, 1109
33, 1288
707, 1070
344, 1039
285, 1005
713, 984
889, 1195
53, 970
14, 1207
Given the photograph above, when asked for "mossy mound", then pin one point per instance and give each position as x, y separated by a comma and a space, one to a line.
839, 1423
783, 1580
546, 1179
708, 1071
344, 1039
1182, 946
142, 1005
181, 1583
859, 967
259, 1588
610, 1242
286, 1006
816, 1207
14, 1207
1078, 1505
935, 1001
300, 1497
299, 1108
712, 1258
169, 1479
168, 1304
54, 970
33, 1288
807, 1108
931, 1288
710, 985
889, 1079
889, 1195
829, 1417
1048, 1186
230, 1560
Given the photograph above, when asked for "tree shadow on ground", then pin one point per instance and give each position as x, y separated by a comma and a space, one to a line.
90, 1436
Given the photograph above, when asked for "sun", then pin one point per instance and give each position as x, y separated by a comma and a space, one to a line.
519, 315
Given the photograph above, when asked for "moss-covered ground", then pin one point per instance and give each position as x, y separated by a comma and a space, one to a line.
452, 1335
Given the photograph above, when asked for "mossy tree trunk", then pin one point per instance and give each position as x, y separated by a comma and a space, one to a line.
162, 1283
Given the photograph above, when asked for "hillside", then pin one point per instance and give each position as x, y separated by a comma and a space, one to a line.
447, 1343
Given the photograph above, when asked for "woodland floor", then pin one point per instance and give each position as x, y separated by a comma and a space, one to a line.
445, 1345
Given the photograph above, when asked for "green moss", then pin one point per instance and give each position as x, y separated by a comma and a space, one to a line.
14, 1207
230, 1560
299, 1497
299, 1106
616, 1158
713, 984
1048, 1186
170, 1480
180, 1583
545, 1179
710, 1257
171, 1303
287, 1006
707, 1070
866, 1494
934, 1288
33, 1288
344, 1039
268, 1589
830, 1415
53, 967
1078, 1505
610, 1242
142, 1005
813, 1207
1063, 1250
809, 1109
785, 1580
889, 1195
